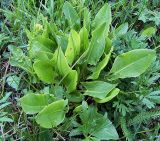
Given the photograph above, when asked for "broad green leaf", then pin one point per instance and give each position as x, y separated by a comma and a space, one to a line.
103, 16
19, 59
97, 45
121, 30
87, 19
16, 51
52, 115
101, 25
84, 39
71, 15
106, 131
100, 66
98, 89
62, 64
13, 81
73, 48
22, 62
150, 31
96, 125
43, 56
44, 71
132, 63
34, 103
48, 43
71, 81
36, 46
70, 76
63, 42
110, 96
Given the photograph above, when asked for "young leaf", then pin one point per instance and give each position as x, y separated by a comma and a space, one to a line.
121, 30
103, 16
34, 103
98, 89
110, 96
84, 39
52, 115
108, 45
87, 19
71, 81
97, 45
132, 63
149, 32
73, 48
100, 66
50, 33
70, 76
71, 14
44, 71
62, 65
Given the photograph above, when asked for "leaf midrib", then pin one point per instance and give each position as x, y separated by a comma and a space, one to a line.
131, 64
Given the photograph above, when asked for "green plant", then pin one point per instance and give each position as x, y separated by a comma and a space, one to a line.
94, 126
77, 73
81, 64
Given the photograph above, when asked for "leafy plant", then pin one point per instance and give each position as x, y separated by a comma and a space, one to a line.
94, 126
87, 74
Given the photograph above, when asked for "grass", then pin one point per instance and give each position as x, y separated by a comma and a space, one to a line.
134, 112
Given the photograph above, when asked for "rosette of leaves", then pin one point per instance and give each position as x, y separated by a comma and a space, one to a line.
78, 62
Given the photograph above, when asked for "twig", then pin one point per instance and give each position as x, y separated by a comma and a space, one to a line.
3, 82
